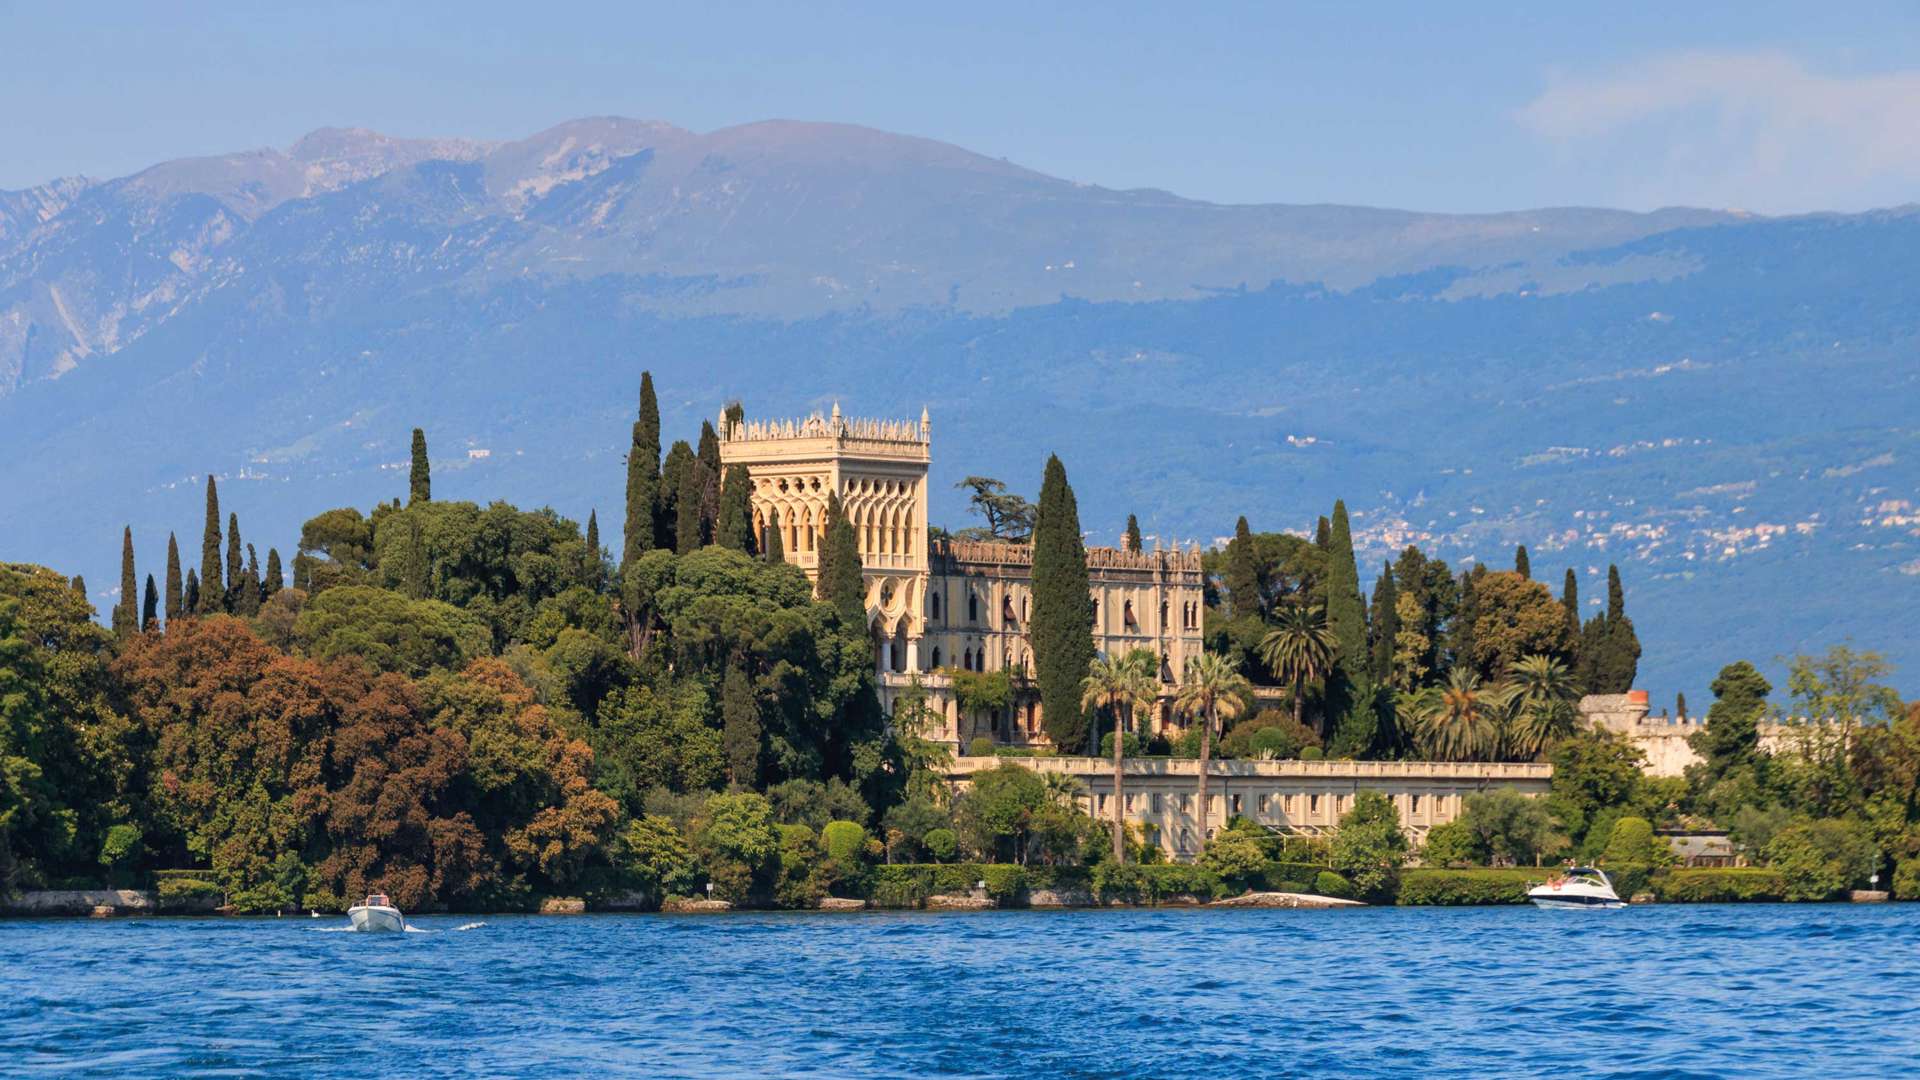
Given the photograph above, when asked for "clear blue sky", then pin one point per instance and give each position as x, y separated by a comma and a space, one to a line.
1768, 106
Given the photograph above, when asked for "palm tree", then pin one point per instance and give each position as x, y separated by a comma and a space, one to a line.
1300, 650
1212, 690
1457, 721
1540, 704
1117, 684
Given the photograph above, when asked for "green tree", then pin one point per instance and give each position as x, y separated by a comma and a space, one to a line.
1412, 649
738, 838
735, 526
126, 612
1061, 628
275, 576
420, 476
1119, 685
1541, 705
593, 573
1821, 859
1521, 564
1633, 842
1211, 691
1370, 847
1346, 612
1512, 618
150, 607
1385, 624
212, 597
1133, 534
176, 586
1457, 722
740, 732
996, 812
1243, 581
1730, 741
1595, 773
236, 563
1609, 648
1299, 651
842, 580
774, 550
673, 477
644, 528
690, 528
1009, 517
708, 457
190, 595
1570, 603
1511, 829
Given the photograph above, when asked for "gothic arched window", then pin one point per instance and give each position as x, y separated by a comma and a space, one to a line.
933, 599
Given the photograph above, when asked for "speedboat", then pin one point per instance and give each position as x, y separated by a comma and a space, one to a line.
1578, 887
376, 913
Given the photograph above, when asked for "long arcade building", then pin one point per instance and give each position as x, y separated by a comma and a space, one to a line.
938, 607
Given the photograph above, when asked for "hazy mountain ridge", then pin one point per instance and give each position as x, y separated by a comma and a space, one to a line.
1717, 402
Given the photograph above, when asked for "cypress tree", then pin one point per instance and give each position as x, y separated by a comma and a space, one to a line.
150, 607
1619, 660
190, 598
210, 597
276, 577
1133, 533
235, 564
1346, 615
1570, 600
420, 477
1323, 534
673, 477
1061, 628
416, 575
734, 529
1386, 625
775, 550
78, 584
690, 527
842, 581
1680, 705
175, 584
591, 567
709, 458
1464, 615
126, 613
643, 525
1521, 564
1243, 580
740, 729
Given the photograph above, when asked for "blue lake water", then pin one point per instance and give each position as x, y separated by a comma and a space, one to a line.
1653, 991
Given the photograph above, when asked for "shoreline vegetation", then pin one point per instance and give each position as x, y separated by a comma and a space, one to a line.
486, 709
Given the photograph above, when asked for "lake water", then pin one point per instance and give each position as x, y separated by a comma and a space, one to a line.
1651, 991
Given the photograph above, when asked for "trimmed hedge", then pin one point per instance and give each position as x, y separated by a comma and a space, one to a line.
1328, 883
1135, 884
1462, 888
1720, 885
182, 892
906, 885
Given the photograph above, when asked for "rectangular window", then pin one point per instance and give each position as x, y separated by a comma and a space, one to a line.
1313, 804
1102, 800
1236, 804
1413, 804
1156, 802
1263, 804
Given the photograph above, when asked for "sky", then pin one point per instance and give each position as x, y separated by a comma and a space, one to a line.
1762, 106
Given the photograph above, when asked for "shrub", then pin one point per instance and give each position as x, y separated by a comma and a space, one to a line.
981, 746
1369, 849
904, 886
1451, 844
941, 844
1633, 841
844, 842
1906, 879
1720, 885
1269, 733
1312, 753
1130, 883
1821, 859
1328, 883
1460, 888
1130, 746
183, 892
1630, 879
1235, 855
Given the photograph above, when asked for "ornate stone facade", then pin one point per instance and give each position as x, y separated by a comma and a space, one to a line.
937, 608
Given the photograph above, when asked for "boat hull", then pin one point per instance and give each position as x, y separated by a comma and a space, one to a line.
376, 919
1583, 902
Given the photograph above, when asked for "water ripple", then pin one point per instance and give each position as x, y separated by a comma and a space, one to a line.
1664, 991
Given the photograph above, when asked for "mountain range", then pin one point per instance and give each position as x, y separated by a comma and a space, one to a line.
1719, 402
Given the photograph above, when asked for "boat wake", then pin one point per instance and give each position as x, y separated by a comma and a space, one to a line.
411, 929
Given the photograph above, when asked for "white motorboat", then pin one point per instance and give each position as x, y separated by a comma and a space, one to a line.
1578, 887
376, 913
